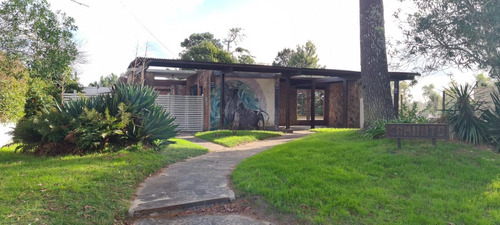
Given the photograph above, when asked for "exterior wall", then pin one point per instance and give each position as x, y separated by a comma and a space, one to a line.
202, 80
293, 104
335, 107
483, 94
353, 105
254, 95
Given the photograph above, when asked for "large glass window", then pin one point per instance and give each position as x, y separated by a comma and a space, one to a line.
304, 104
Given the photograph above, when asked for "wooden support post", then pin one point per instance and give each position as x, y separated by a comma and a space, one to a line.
326, 105
313, 100
396, 98
434, 142
287, 102
277, 103
399, 143
222, 101
443, 108
345, 104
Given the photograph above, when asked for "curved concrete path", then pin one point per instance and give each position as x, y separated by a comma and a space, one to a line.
199, 181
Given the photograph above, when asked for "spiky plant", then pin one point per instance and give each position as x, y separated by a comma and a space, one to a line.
492, 118
463, 113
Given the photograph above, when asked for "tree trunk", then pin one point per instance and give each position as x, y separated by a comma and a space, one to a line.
375, 81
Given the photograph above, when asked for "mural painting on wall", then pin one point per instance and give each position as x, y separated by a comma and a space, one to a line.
242, 109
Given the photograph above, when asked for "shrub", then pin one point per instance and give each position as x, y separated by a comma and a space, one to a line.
94, 131
377, 129
126, 116
491, 118
406, 115
463, 115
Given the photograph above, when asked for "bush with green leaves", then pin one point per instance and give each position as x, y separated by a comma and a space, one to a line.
406, 115
125, 116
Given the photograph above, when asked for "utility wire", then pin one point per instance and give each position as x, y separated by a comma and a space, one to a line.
145, 28
79, 3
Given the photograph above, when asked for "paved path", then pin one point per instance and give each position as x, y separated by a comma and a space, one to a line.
198, 181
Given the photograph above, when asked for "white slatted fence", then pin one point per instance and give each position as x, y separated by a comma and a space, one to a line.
187, 110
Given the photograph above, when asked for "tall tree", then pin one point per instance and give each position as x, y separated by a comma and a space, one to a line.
205, 47
196, 39
234, 36
43, 41
283, 57
304, 56
483, 81
465, 34
433, 100
105, 81
13, 88
375, 81
207, 51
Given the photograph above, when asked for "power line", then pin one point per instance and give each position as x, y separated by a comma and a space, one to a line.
79, 3
145, 28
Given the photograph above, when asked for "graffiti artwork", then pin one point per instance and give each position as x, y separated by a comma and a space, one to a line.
242, 109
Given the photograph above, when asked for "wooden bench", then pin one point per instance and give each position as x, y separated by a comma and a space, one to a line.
417, 131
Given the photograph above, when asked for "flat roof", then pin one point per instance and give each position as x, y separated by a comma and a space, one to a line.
236, 67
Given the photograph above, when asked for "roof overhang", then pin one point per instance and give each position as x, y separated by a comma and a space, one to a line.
137, 64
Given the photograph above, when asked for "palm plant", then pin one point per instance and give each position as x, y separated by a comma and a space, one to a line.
492, 118
463, 113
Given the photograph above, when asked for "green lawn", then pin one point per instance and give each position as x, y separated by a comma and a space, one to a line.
337, 177
228, 139
93, 189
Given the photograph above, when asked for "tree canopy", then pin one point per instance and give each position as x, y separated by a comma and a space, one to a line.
42, 40
205, 47
465, 34
105, 81
13, 88
207, 51
433, 100
197, 38
304, 56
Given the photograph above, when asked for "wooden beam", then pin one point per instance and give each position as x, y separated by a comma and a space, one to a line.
287, 102
222, 102
396, 98
169, 82
313, 99
333, 79
237, 74
345, 104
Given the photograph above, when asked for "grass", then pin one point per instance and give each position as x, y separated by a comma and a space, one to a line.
228, 139
338, 177
91, 189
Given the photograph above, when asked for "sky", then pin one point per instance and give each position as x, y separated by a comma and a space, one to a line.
113, 32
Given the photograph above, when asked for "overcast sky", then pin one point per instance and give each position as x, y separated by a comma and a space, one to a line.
110, 31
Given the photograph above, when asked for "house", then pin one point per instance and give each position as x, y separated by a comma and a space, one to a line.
258, 96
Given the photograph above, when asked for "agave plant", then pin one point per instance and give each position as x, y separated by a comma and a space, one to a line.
155, 124
136, 97
464, 115
127, 115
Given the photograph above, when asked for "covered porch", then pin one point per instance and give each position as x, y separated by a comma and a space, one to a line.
325, 97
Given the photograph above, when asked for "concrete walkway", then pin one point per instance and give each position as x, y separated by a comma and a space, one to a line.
199, 181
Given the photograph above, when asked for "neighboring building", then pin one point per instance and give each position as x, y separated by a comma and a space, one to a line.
258, 96
483, 94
